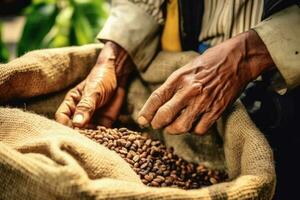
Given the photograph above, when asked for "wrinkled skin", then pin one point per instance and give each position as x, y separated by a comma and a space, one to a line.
195, 96
101, 92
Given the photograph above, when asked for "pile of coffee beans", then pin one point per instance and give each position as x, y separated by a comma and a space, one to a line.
156, 165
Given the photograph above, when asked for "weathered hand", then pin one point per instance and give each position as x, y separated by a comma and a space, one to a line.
103, 88
195, 95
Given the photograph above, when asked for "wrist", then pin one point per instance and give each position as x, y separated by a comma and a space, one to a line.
119, 59
257, 56
123, 63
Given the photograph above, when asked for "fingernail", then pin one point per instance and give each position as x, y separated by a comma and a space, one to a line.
142, 121
78, 119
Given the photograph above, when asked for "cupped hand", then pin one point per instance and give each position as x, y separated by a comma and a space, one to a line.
103, 88
195, 96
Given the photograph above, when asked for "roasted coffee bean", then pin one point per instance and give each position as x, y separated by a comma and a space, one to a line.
161, 178
136, 165
148, 177
213, 180
154, 183
156, 165
144, 165
123, 130
128, 143
136, 158
123, 151
137, 143
148, 142
132, 138
157, 180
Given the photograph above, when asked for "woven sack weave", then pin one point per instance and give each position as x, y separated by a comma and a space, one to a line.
41, 159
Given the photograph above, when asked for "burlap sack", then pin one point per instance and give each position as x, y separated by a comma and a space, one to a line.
40, 159
46, 71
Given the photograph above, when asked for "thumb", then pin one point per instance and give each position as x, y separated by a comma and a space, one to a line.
84, 111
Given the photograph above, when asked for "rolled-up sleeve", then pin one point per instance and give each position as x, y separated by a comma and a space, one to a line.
281, 35
135, 25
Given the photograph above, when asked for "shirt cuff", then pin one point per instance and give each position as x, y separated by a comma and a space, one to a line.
132, 28
280, 33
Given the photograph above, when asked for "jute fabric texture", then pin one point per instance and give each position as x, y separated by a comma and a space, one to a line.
41, 159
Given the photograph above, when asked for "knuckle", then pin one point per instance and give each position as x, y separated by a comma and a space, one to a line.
197, 86
86, 104
181, 128
193, 90
166, 112
206, 90
164, 115
73, 93
185, 80
156, 96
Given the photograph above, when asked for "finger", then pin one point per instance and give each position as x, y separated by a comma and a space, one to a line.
99, 87
154, 102
84, 110
62, 115
207, 120
65, 111
167, 113
184, 122
195, 107
107, 115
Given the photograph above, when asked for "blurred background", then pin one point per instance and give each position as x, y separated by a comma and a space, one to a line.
34, 24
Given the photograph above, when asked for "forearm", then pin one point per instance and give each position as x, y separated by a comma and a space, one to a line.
257, 57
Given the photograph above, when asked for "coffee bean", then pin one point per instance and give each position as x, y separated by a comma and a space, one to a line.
123, 151
136, 165
144, 165
166, 173
154, 183
131, 138
123, 130
143, 155
148, 142
136, 158
157, 180
213, 180
129, 155
156, 165
128, 143
148, 177
161, 178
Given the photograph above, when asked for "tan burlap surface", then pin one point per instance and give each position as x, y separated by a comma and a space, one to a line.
45, 71
40, 159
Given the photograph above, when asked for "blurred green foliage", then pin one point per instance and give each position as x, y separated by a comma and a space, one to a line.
58, 23
4, 54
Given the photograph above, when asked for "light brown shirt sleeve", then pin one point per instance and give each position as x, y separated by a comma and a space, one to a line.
135, 25
281, 35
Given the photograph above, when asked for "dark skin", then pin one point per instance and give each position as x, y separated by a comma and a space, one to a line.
191, 99
101, 93
200, 91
